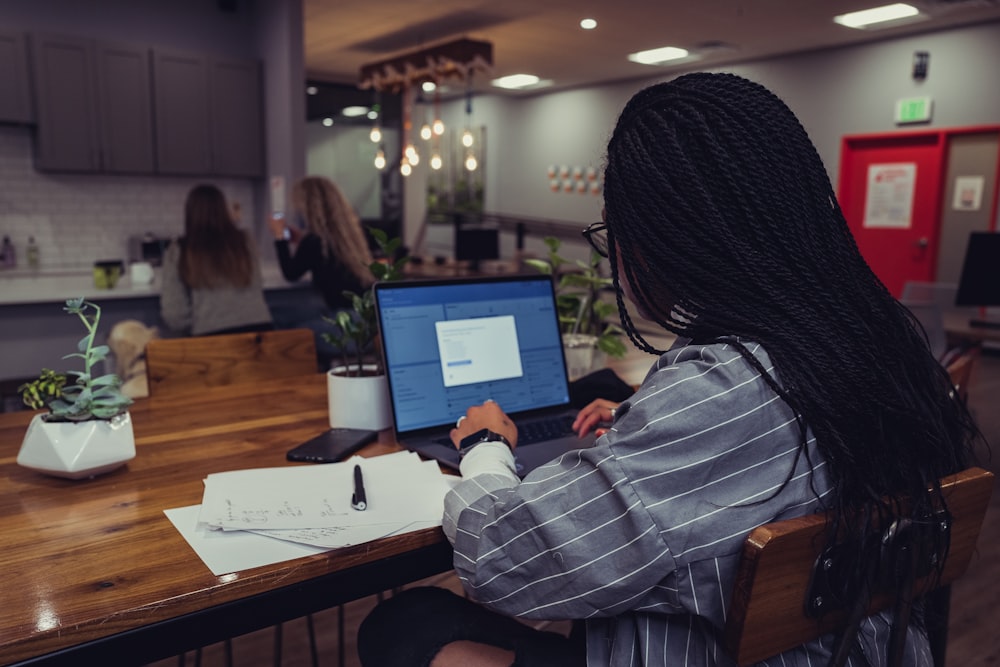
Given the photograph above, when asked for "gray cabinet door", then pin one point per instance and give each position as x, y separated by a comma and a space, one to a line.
94, 106
237, 128
181, 101
15, 90
67, 107
125, 103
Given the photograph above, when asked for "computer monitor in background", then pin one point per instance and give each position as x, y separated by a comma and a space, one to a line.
979, 284
474, 244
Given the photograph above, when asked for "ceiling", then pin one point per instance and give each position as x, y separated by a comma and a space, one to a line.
542, 37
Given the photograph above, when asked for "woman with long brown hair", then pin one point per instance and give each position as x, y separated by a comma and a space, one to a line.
211, 275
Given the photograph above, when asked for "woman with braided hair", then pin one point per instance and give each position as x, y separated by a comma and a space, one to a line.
797, 384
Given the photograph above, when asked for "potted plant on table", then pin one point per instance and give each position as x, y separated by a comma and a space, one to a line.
357, 391
87, 429
584, 318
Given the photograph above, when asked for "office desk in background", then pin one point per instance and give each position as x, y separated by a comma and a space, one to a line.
958, 330
95, 573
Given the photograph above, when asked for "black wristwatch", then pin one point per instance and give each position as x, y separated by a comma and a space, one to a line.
479, 437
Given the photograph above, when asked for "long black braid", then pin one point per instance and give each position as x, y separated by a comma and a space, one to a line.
725, 225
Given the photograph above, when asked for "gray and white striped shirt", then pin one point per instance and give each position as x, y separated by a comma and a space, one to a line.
641, 534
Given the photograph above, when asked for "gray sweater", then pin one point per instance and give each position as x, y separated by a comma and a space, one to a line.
207, 310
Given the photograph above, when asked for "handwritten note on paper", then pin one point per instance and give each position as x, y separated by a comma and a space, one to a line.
254, 517
400, 487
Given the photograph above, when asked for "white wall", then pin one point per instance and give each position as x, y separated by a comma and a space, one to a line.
834, 93
79, 219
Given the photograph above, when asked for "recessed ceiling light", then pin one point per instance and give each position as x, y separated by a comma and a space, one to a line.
657, 56
327, 122
876, 15
516, 81
311, 90
588, 24
351, 112
428, 86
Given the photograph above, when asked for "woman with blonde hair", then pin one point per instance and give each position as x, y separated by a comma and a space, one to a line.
332, 247
211, 275
330, 244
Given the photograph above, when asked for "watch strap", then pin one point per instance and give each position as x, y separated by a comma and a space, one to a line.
479, 437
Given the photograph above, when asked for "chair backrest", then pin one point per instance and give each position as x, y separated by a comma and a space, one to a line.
175, 365
960, 369
774, 602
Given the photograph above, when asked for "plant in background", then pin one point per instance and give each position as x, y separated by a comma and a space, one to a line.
578, 291
88, 396
356, 330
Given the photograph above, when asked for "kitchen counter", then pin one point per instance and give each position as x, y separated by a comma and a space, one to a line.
35, 332
26, 287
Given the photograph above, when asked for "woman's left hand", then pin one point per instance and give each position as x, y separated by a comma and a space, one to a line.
488, 415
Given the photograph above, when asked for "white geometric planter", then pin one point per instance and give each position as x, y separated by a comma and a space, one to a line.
76, 450
358, 402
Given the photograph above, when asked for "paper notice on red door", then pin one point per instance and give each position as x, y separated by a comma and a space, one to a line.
968, 193
889, 198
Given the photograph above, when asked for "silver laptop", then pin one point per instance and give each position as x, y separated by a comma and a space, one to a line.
452, 343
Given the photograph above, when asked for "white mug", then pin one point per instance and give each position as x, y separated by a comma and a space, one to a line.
141, 273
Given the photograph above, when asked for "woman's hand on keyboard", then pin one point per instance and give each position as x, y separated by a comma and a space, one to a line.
488, 415
597, 412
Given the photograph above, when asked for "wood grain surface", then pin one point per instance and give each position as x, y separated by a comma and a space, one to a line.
90, 558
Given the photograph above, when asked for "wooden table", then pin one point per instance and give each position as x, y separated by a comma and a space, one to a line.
95, 573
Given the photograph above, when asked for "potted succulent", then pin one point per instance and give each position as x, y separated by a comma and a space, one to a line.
357, 393
87, 429
584, 318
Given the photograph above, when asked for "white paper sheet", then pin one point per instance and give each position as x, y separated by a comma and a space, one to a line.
284, 504
232, 551
400, 489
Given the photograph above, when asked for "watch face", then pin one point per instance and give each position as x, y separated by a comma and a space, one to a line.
474, 439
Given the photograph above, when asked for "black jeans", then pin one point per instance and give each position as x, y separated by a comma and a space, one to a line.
408, 629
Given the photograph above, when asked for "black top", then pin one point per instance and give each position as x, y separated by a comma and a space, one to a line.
330, 277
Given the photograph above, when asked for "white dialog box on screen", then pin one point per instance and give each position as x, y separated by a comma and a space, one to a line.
478, 350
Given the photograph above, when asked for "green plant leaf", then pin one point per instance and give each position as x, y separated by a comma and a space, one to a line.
613, 346
109, 380
539, 265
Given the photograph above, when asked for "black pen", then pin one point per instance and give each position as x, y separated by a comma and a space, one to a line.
358, 500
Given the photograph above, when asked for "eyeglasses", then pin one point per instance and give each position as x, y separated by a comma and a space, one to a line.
597, 236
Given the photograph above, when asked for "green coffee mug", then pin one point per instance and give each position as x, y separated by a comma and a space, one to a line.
107, 273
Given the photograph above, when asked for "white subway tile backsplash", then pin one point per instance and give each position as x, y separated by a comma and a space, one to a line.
79, 219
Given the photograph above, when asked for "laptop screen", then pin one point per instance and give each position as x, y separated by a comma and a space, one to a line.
450, 344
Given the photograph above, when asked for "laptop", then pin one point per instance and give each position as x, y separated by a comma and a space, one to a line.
452, 343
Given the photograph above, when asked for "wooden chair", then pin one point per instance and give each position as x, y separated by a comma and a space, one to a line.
176, 365
960, 369
779, 591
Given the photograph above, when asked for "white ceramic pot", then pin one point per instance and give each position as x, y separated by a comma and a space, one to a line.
358, 401
77, 449
582, 355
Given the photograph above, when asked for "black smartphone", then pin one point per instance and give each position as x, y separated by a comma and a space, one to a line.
331, 446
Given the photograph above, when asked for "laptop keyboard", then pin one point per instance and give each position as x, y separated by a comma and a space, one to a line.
538, 430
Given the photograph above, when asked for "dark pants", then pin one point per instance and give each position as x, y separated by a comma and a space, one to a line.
408, 629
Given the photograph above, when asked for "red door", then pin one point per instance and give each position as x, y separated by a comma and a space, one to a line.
890, 192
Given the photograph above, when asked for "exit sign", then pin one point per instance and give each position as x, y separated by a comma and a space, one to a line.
913, 110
